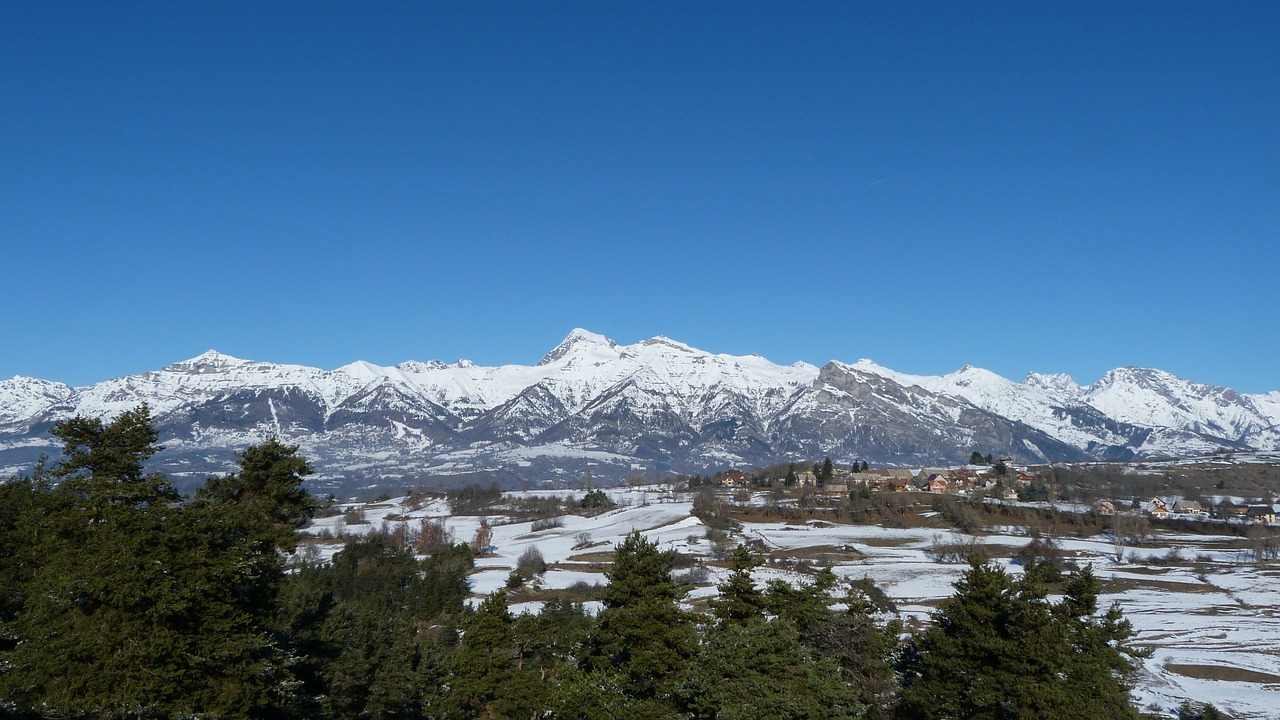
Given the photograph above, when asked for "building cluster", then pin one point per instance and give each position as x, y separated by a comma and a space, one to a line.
1182, 509
963, 480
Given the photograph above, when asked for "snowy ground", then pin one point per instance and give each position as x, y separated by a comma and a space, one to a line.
1213, 626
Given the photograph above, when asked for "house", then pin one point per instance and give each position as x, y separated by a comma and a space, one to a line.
865, 479
962, 479
900, 485
1157, 508
806, 478
937, 484
838, 487
1104, 508
1261, 514
733, 478
1188, 507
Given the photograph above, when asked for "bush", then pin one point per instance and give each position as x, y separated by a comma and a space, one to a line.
696, 575
530, 563
433, 536
483, 538
956, 550
581, 540
473, 498
354, 516
1200, 711
1042, 559
547, 523
595, 499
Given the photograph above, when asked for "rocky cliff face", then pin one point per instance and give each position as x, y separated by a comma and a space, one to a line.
654, 406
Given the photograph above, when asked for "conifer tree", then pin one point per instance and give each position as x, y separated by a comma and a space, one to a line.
758, 670
998, 648
141, 605
642, 636
740, 599
484, 680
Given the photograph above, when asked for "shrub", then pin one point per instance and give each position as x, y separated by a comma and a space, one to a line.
473, 498
547, 523
483, 539
530, 563
1200, 711
433, 536
696, 575
354, 516
956, 550
595, 499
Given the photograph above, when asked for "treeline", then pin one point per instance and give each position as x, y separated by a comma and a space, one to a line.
118, 599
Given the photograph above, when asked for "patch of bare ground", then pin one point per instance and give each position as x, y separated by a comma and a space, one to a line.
591, 557
820, 554
1223, 672
887, 541
1121, 585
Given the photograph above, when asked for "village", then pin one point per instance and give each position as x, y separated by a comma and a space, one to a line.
998, 480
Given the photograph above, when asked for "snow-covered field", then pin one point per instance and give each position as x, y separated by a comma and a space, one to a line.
1213, 625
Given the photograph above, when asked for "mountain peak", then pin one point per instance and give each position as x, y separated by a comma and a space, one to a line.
1058, 382
667, 342
207, 360
577, 340
417, 366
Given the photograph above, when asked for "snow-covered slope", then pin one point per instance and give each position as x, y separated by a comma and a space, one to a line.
656, 404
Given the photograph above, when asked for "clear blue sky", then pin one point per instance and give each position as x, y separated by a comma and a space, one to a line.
1060, 187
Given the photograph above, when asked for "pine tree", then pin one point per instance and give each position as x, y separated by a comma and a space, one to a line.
484, 679
642, 635
998, 648
739, 598
141, 605
758, 670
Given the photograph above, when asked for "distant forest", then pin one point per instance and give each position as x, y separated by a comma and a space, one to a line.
121, 599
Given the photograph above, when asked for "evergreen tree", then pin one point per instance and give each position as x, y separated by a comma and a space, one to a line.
642, 635
861, 648
999, 649
484, 679
758, 670
828, 470
141, 606
739, 598
360, 624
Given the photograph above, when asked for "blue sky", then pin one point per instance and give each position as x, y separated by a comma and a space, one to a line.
1059, 187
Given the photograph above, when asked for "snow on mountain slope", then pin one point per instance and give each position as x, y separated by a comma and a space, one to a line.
1048, 403
21, 398
206, 377
1155, 398
657, 401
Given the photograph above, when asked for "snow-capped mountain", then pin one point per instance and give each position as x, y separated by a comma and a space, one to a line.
651, 406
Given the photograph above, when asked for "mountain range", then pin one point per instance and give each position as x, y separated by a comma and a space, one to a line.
651, 407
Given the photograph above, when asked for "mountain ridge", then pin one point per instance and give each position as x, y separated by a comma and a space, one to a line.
653, 406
